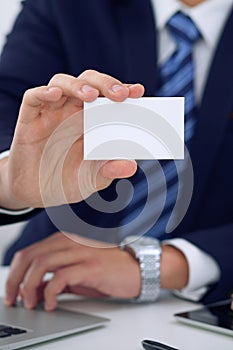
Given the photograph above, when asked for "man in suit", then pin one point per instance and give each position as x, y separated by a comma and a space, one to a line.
120, 38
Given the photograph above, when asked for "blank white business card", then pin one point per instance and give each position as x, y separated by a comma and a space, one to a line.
144, 128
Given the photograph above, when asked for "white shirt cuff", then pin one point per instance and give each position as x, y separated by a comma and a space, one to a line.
4, 154
15, 212
8, 211
203, 269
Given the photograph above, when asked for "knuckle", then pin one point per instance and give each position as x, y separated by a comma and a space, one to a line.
40, 262
33, 96
75, 84
28, 94
87, 73
57, 78
60, 238
107, 80
21, 256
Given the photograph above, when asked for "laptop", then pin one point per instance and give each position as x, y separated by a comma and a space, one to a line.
20, 327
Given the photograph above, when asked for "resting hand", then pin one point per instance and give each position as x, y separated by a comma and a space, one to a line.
91, 269
56, 110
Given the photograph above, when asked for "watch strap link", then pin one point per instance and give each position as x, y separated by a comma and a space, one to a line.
150, 275
147, 250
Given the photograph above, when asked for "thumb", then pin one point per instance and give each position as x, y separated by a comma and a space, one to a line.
97, 175
114, 169
118, 169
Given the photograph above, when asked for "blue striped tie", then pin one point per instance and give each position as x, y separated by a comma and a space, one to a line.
176, 79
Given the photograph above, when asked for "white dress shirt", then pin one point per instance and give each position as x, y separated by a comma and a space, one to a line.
210, 17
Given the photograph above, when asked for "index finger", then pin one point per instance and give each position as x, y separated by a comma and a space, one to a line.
111, 87
23, 260
34, 98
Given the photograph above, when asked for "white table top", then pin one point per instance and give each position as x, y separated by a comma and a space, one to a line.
131, 323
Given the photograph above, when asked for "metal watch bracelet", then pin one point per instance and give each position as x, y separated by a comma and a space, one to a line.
147, 251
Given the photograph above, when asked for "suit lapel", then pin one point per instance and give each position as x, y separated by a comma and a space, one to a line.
137, 25
213, 117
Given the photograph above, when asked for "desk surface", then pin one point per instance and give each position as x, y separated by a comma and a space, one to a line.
131, 323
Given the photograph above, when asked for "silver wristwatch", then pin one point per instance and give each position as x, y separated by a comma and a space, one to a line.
147, 251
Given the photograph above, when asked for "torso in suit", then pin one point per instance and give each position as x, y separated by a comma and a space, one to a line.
118, 38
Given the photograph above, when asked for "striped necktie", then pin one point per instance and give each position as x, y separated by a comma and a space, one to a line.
176, 79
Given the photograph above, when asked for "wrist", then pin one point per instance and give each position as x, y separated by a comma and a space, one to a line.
7, 200
174, 269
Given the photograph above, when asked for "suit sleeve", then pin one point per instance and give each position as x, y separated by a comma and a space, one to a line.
31, 56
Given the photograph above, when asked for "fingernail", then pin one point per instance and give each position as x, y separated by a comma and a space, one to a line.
87, 88
116, 88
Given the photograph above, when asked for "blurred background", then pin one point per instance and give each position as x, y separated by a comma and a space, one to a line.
8, 10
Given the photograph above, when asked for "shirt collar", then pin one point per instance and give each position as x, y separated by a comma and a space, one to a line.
209, 16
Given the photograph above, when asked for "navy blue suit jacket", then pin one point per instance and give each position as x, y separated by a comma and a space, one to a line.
118, 37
